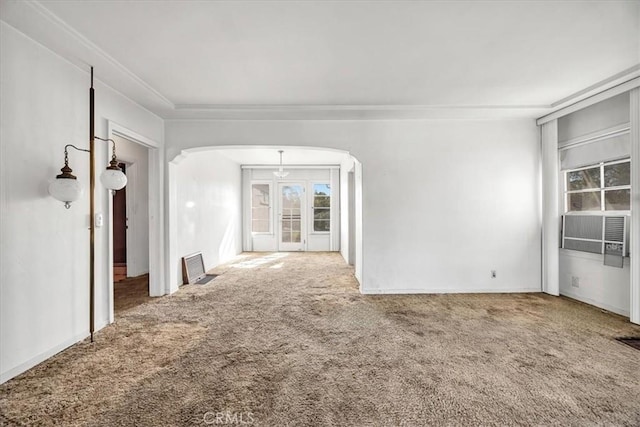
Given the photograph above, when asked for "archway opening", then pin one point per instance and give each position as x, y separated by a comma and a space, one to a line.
227, 200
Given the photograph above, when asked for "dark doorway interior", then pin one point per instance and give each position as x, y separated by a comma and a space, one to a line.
120, 232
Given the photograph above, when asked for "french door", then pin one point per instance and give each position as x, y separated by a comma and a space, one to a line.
291, 222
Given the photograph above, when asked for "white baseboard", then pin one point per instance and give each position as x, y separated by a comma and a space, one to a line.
595, 303
102, 324
13, 372
448, 291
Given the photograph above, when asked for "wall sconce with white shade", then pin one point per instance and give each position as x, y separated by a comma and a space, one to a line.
280, 173
66, 187
112, 177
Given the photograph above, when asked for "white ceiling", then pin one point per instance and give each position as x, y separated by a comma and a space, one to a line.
197, 58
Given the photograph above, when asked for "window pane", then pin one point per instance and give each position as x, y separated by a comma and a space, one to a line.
583, 179
260, 195
319, 213
321, 225
259, 226
588, 201
322, 189
260, 215
617, 200
321, 219
321, 195
617, 174
321, 201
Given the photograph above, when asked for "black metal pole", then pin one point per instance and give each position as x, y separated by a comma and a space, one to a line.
92, 184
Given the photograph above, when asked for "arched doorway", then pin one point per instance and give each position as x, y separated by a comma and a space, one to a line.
224, 200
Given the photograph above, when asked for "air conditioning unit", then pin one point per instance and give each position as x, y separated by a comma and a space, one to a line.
599, 234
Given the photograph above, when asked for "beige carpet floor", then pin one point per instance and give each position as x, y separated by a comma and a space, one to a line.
287, 340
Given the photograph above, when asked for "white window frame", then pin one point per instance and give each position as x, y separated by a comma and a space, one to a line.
312, 209
270, 184
602, 190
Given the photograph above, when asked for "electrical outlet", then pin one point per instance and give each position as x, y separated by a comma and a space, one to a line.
493, 274
575, 281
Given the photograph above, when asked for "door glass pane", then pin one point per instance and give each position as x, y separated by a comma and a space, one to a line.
583, 179
291, 214
617, 200
617, 174
587, 201
295, 231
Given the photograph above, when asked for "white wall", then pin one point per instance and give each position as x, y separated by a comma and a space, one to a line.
44, 257
345, 167
208, 211
443, 202
597, 284
357, 222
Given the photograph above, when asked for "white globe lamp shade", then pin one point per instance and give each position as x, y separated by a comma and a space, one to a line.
67, 190
113, 179
281, 173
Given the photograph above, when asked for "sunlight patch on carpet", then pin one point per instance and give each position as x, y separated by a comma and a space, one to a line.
257, 262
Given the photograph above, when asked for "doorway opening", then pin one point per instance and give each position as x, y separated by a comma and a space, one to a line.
299, 212
130, 228
120, 232
231, 199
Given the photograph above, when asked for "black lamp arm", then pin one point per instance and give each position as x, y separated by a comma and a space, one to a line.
113, 164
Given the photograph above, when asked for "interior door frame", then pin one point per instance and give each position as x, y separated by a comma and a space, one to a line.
130, 224
157, 283
292, 247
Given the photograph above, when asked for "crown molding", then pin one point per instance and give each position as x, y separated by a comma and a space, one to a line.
38, 7
352, 112
34, 20
614, 85
591, 100
615, 80
353, 107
